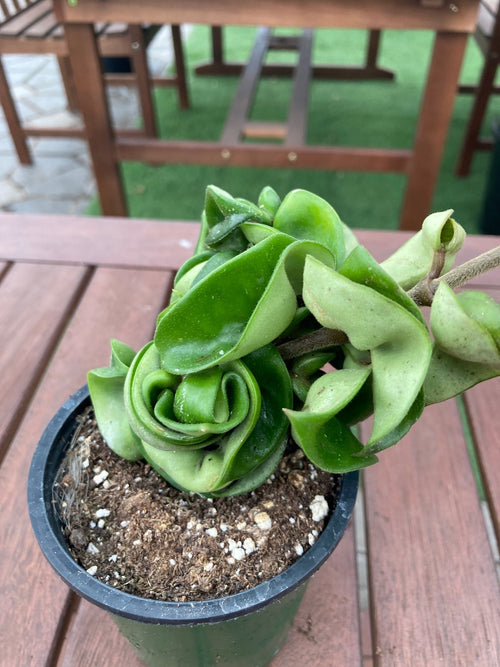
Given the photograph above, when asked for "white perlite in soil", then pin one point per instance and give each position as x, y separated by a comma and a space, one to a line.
129, 528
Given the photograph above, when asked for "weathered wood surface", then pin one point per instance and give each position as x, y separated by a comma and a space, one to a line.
67, 285
388, 14
451, 22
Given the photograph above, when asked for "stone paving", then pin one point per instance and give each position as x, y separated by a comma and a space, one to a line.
60, 180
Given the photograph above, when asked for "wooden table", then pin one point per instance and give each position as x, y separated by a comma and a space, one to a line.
452, 22
67, 285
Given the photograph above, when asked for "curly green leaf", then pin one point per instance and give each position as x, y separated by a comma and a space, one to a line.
414, 259
400, 353
106, 392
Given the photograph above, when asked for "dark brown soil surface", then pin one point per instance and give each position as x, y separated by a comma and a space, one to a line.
129, 528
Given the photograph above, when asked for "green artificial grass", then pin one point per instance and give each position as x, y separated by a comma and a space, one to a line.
369, 113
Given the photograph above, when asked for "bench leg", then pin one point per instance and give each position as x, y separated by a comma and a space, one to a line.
432, 127
68, 82
86, 66
180, 67
476, 117
12, 118
143, 81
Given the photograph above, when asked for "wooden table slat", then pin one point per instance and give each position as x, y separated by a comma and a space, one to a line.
155, 244
431, 566
27, 335
118, 303
330, 602
483, 402
363, 14
151, 244
434, 592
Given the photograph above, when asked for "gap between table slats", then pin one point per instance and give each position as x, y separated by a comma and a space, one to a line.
48, 295
426, 537
117, 303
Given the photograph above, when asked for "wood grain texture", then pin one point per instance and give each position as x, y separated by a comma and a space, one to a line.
27, 334
326, 629
119, 303
102, 241
482, 402
431, 567
154, 244
93, 640
371, 14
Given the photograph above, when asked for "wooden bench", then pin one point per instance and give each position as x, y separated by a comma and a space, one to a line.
30, 27
419, 163
69, 284
293, 133
487, 37
370, 69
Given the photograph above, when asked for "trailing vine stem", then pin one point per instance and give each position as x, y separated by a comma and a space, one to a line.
422, 294
424, 291
314, 342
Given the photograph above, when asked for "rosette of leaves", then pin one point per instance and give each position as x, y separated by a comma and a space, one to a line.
282, 326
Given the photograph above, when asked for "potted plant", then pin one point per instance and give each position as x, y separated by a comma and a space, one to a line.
281, 334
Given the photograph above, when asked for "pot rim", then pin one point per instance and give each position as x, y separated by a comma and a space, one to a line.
47, 529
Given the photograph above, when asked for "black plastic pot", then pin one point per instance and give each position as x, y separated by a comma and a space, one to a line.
246, 629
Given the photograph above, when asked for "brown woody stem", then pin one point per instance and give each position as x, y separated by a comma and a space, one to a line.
313, 342
422, 294
424, 291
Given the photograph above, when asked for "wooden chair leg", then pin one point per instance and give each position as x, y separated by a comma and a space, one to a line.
180, 67
13, 122
217, 45
139, 62
68, 82
476, 117
373, 49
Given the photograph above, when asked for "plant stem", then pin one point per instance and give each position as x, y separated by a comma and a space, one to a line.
422, 294
313, 342
424, 291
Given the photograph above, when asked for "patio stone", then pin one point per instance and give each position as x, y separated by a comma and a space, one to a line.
61, 118
63, 146
53, 177
9, 192
60, 179
47, 206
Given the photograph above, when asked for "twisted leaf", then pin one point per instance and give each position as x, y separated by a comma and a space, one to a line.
465, 325
241, 306
224, 215
304, 215
466, 328
400, 352
325, 440
243, 447
106, 392
413, 260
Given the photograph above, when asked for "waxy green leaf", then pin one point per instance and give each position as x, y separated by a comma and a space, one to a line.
269, 201
461, 335
413, 260
400, 353
362, 268
449, 376
154, 409
325, 440
239, 307
106, 392
247, 450
304, 215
